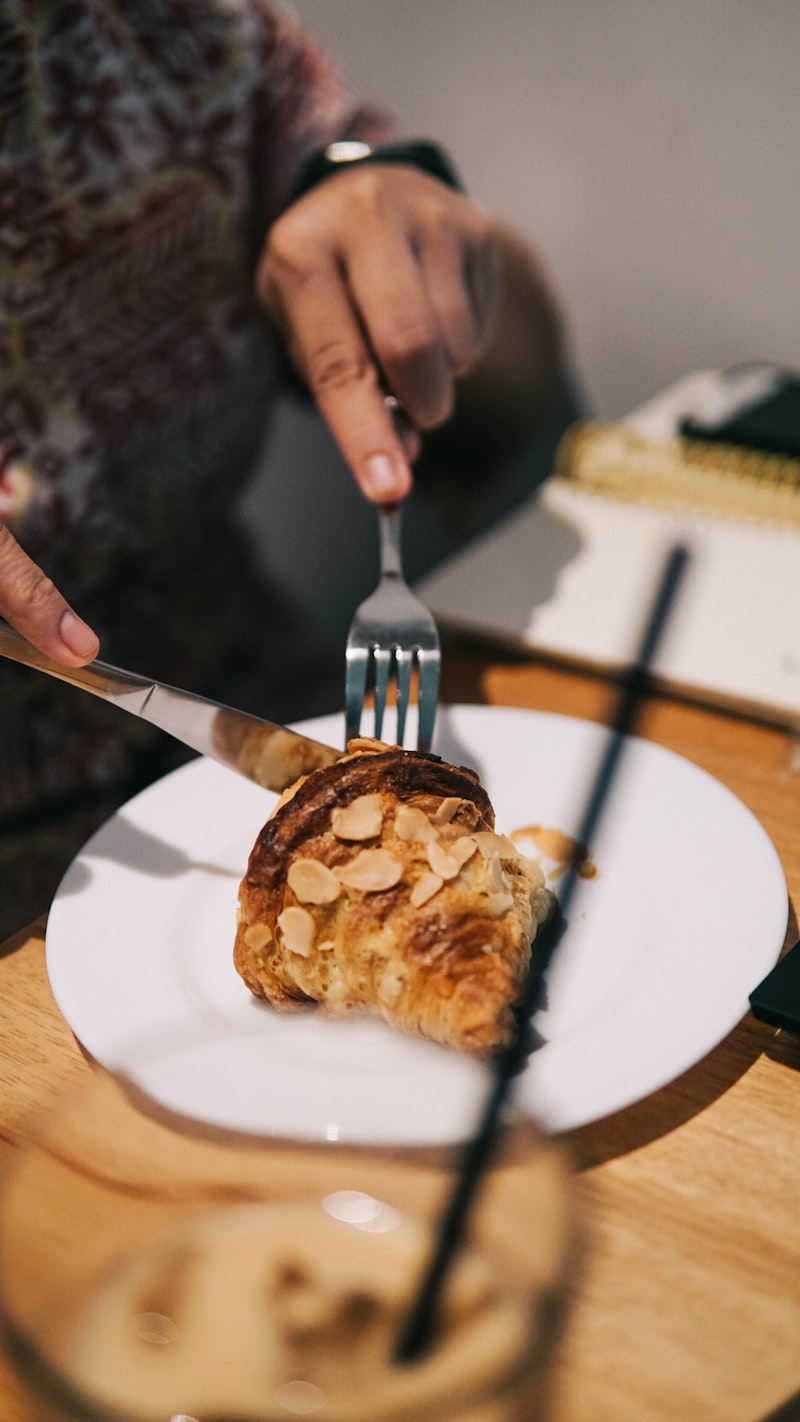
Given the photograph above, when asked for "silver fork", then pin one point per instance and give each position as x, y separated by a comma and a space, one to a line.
392, 630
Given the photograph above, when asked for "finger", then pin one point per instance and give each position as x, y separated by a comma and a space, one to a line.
444, 268
403, 330
330, 348
35, 607
485, 278
462, 271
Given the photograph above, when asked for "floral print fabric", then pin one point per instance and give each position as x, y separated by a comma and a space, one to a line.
145, 147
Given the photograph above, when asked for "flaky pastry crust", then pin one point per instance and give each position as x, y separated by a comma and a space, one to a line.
379, 883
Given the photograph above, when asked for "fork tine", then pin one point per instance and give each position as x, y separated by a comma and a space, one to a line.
383, 662
429, 671
356, 665
405, 662
390, 630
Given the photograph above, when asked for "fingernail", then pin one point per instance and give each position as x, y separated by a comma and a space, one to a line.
383, 478
75, 635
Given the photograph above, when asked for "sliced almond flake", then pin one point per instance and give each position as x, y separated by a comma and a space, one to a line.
411, 823
498, 904
462, 848
490, 843
371, 870
361, 819
257, 936
312, 882
496, 877
297, 930
366, 745
447, 810
326, 946
442, 863
426, 886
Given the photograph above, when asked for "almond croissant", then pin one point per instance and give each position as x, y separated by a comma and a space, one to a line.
379, 883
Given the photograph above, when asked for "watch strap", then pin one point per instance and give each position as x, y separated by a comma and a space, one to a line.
419, 153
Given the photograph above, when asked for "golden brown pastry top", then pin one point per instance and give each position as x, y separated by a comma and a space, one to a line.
304, 813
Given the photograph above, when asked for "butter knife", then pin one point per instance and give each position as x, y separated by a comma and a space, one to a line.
271, 755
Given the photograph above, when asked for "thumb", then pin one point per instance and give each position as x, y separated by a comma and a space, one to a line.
33, 605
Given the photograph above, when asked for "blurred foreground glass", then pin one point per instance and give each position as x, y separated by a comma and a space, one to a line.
156, 1270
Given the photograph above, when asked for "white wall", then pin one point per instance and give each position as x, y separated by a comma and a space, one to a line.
650, 149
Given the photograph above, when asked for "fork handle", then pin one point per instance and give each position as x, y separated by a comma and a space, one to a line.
390, 522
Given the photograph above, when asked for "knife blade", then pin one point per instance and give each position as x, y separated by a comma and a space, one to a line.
271, 755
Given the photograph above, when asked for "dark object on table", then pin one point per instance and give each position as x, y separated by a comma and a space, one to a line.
770, 422
777, 999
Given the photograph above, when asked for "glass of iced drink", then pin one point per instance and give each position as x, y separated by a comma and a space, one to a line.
156, 1269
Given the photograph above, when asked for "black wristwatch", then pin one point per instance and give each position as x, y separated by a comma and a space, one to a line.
429, 157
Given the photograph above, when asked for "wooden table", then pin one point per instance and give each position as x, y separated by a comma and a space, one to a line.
689, 1306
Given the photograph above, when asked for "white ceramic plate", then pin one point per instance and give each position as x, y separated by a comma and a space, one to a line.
686, 914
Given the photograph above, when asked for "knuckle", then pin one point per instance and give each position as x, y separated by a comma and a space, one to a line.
283, 248
40, 589
365, 187
412, 345
334, 367
23, 584
288, 256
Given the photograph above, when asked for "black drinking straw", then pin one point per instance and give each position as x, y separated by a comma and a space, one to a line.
417, 1331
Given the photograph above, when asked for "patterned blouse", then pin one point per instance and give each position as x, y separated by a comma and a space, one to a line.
145, 148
